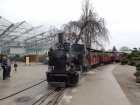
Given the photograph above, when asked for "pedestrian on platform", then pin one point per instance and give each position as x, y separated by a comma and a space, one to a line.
0, 61
8, 66
15, 65
4, 67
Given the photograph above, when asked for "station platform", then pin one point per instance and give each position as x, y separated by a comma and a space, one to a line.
97, 87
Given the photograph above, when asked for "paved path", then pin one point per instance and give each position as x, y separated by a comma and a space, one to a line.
98, 87
24, 77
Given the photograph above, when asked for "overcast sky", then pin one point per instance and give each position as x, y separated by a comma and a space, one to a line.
122, 16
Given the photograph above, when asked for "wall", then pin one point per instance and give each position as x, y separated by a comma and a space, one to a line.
14, 50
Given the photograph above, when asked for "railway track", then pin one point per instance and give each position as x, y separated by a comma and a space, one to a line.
53, 97
22, 90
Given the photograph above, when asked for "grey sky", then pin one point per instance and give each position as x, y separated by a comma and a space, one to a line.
122, 16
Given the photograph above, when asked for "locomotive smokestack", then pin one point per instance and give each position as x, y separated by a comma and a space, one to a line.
60, 38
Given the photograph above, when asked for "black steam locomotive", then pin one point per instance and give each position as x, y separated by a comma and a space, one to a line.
65, 64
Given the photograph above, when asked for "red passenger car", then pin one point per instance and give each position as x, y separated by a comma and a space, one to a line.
97, 57
116, 56
94, 58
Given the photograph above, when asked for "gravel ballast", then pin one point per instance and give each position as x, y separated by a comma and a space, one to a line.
126, 79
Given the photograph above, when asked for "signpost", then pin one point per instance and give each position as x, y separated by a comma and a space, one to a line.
27, 61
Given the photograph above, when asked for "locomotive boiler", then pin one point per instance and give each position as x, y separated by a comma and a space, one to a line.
65, 64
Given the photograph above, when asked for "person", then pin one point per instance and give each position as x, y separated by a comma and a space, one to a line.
0, 61
4, 67
8, 66
15, 65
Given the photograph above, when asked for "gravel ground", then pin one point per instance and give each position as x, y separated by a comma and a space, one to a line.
126, 79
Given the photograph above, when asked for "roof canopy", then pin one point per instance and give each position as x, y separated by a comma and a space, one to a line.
21, 31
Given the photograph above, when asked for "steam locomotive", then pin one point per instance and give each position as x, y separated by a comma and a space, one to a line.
66, 64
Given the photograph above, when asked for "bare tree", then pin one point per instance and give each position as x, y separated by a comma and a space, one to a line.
51, 36
90, 29
125, 48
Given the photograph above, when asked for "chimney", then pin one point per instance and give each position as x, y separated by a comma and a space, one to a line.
60, 38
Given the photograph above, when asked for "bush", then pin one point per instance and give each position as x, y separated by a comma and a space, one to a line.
137, 73
22, 59
124, 60
132, 63
129, 56
138, 65
135, 58
138, 68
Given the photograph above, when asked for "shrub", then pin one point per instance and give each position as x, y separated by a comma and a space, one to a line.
22, 59
137, 73
135, 58
129, 56
132, 63
138, 68
124, 60
138, 65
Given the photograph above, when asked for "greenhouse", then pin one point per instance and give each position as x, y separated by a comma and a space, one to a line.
35, 40
24, 39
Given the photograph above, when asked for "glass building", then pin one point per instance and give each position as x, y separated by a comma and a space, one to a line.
23, 38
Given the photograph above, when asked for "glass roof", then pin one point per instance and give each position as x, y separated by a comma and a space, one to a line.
20, 31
